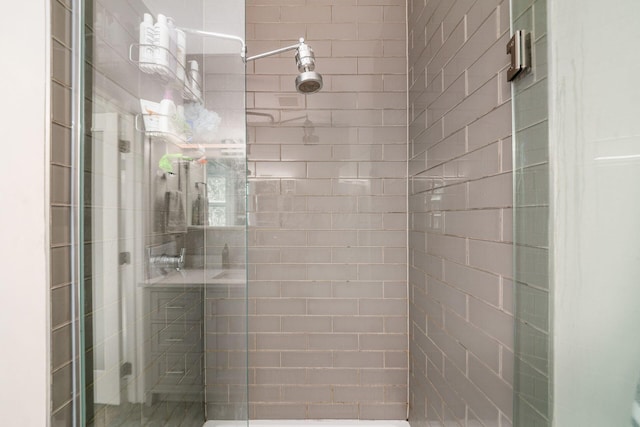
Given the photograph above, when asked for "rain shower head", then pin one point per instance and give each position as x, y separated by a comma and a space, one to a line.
308, 81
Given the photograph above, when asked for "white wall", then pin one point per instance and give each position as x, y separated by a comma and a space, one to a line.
595, 155
24, 29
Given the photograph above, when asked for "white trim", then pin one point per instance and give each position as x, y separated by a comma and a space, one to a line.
24, 184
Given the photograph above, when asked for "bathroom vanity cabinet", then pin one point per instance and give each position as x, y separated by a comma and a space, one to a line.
175, 343
179, 306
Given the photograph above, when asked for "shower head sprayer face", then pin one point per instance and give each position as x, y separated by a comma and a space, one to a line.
308, 81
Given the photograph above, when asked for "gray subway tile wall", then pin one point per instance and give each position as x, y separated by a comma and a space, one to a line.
62, 324
328, 276
460, 198
327, 239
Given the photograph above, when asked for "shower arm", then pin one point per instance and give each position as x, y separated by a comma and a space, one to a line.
243, 52
275, 52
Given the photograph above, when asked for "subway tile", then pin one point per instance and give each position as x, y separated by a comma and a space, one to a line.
357, 152
354, 14
491, 192
479, 224
60, 266
281, 306
333, 341
358, 394
279, 377
357, 48
474, 339
332, 307
331, 204
333, 411
383, 411
281, 169
360, 289
332, 31
61, 387
61, 349
358, 221
381, 31
307, 394
480, 284
492, 320
396, 359
306, 324
280, 411
357, 324
306, 289
356, 83
278, 31
333, 238
280, 238
381, 307
307, 359
306, 255
381, 170
305, 14
61, 23
358, 359
492, 385
381, 271
60, 185
356, 255
491, 256
381, 341
332, 170
281, 342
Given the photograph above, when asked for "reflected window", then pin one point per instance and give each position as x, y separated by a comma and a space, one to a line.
217, 195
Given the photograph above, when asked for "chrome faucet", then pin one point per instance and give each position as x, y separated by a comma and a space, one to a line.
168, 261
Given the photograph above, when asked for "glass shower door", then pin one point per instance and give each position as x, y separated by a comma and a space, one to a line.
163, 300
577, 216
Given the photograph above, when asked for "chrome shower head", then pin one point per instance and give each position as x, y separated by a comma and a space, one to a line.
308, 81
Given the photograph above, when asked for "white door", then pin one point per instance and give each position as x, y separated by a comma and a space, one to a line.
105, 258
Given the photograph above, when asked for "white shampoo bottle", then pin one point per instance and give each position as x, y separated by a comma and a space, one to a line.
162, 46
195, 79
181, 53
173, 50
146, 52
168, 113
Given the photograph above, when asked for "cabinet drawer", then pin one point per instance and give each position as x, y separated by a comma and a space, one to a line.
171, 305
177, 337
179, 369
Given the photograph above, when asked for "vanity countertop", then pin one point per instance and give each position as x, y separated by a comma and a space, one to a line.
198, 277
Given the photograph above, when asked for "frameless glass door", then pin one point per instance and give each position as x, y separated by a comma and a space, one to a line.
163, 301
577, 216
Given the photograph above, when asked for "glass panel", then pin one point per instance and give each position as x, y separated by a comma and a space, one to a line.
164, 303
595, 153
533, 366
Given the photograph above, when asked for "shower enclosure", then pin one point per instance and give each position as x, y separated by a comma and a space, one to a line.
163, 300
